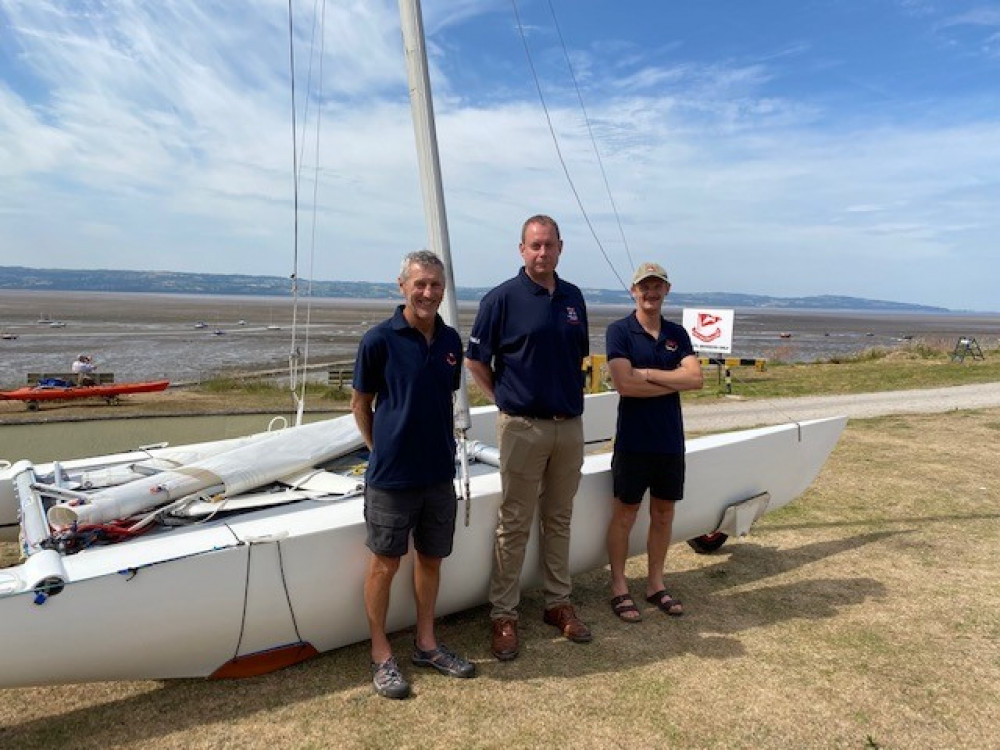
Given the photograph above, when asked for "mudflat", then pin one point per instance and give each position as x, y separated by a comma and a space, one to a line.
153, 336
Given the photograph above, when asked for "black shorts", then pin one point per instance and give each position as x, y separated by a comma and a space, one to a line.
634, 473
428, 512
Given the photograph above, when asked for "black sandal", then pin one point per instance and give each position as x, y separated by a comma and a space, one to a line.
623, 605
666, 603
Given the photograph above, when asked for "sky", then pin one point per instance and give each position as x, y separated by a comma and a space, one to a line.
777, 147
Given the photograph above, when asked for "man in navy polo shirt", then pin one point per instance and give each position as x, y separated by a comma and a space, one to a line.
525, 351
407, 370
651, 360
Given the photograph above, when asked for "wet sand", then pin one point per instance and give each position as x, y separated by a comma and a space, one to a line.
152, 336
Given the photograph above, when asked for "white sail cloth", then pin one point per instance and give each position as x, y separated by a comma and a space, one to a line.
273, 456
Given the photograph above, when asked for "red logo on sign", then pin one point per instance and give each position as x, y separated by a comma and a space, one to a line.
707, 327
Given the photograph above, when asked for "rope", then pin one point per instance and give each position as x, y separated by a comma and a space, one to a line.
555, 141
293, 353
315, 197
298, 357
246, 597
288, 597
593, 140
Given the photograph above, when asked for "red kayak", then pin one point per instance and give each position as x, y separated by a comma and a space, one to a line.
109, 392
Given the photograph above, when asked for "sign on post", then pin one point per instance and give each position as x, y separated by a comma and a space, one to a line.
711, 331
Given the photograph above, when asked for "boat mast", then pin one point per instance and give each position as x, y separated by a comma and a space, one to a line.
422, 106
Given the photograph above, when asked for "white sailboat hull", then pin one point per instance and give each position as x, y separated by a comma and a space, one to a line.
257, 591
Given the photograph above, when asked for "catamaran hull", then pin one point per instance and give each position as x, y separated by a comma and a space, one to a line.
262, 590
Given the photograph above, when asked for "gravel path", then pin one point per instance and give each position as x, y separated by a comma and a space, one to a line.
733, 413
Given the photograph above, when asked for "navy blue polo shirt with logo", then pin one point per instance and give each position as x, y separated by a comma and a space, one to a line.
649, 425
535, 344
413, 432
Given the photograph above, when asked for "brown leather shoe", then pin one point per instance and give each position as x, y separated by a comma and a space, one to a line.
563, 616
505, 641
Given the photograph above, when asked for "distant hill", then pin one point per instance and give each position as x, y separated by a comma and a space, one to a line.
171, 282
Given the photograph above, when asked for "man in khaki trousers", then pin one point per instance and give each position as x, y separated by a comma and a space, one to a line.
525, 351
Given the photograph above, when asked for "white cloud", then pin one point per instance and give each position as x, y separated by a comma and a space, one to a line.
157, 135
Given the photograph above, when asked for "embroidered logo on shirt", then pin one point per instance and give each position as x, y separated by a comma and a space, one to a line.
571, 315
451, 359
670, 345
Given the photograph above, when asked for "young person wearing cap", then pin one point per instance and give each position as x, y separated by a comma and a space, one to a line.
525, 351
651, 361
407, 369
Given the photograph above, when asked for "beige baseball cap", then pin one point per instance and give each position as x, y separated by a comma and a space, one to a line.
646, 270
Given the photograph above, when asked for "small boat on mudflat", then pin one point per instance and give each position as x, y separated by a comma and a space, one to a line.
33, 395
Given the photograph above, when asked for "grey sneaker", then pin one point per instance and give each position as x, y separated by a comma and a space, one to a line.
444, 660
388, 680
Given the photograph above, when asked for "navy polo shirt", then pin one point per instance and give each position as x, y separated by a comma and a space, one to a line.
649, 425
535, 344
413, 433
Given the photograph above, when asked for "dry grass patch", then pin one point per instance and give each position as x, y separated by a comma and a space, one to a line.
865, 614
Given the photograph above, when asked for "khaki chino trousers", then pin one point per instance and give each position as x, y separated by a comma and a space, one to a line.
540, 462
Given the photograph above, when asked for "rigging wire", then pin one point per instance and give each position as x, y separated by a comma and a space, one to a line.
293, 355
315, 197
555, 141
593, 139
298, 359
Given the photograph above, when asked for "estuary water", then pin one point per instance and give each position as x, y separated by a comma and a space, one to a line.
192, 337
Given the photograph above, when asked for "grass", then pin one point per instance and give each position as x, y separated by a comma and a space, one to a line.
865, 614
255, 387
923, 363
919, 364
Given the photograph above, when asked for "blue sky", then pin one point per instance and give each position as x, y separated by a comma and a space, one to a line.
788, 148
